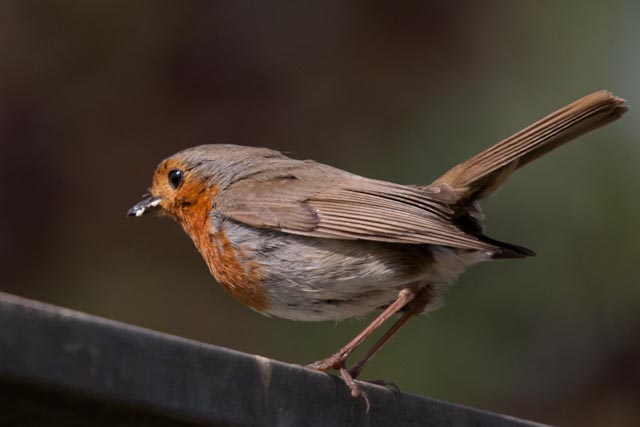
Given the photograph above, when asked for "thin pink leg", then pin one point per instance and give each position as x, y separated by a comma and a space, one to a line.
336, 360
415, 307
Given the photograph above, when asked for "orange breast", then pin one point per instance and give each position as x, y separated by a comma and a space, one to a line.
237, 274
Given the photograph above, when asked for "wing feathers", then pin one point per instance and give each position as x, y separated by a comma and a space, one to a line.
347, 207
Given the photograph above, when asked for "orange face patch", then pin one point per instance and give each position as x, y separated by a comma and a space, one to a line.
190, 205
193, 189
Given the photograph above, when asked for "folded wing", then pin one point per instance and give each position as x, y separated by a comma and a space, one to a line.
311, 202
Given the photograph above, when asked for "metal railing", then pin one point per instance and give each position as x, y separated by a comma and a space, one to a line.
63, 367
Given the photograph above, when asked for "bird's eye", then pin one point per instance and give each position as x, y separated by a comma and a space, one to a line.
175, 178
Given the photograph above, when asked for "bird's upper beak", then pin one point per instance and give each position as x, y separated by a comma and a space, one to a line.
147, 205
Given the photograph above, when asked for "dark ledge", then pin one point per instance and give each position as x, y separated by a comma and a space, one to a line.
62, 367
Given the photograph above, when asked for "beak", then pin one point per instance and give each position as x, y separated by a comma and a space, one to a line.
147, 205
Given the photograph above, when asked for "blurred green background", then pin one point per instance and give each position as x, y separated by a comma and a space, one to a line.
94, 94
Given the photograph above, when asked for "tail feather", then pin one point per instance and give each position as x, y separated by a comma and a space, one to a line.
483, 174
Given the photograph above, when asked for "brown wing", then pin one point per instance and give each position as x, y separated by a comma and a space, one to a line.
311, 202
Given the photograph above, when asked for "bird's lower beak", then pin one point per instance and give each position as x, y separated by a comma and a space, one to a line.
147, 205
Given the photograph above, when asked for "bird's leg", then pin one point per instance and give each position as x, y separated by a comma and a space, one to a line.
414, 307
336, 361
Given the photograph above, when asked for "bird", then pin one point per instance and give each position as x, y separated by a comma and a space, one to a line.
305, 241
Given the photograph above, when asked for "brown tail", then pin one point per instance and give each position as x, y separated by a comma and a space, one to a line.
483, 174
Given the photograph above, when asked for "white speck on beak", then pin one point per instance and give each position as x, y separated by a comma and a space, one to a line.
140, 208
153, 204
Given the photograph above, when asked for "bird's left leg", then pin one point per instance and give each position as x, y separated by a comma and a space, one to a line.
413, 308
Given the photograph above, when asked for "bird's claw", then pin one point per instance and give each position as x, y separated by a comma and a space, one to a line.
337, 361
356, 391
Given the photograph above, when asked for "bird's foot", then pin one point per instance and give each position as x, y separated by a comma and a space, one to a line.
356, 391
337, 361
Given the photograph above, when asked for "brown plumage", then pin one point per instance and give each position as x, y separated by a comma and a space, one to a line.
306, 241
484, 173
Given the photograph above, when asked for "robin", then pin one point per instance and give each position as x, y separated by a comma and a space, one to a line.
305, 241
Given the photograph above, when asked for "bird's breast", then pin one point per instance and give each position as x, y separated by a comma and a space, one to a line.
238, 274
228, 262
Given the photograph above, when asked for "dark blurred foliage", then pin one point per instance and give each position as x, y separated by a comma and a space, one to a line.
94, 94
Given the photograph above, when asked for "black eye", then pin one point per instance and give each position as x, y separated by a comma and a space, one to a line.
175, 178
